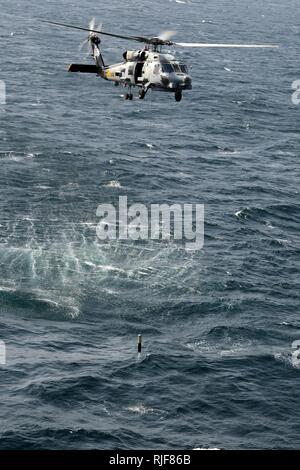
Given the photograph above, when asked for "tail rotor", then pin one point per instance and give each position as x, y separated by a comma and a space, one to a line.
92, 26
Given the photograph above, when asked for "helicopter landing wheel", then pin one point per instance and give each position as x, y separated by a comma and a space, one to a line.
142, 94
128, 96
178, 96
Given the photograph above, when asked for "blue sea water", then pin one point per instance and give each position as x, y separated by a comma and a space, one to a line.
218, 324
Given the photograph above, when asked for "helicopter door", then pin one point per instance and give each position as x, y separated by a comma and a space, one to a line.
138, 72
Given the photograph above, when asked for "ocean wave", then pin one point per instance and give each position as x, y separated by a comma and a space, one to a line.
280, 211
38, 303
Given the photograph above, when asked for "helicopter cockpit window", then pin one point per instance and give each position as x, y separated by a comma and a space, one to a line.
167, 68
156, 69
183, 68
177, 68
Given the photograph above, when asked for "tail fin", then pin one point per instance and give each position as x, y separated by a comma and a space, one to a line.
95, 42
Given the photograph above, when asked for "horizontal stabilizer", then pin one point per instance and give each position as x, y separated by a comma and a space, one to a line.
84, 68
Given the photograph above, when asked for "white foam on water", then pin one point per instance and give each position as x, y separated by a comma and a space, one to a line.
144, 410
7, 289
16, 156
90, 264
41, 186
140, 409
287, 359
113, 184
239, 213
110, 268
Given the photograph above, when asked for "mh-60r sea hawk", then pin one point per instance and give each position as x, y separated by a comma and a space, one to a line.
147, 68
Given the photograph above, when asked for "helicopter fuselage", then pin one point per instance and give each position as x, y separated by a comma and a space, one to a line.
145, 69
158, 71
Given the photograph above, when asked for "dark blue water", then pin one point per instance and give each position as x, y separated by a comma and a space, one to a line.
218, 324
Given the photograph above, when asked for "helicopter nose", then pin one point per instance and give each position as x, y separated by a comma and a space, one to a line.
181, 81
177, 81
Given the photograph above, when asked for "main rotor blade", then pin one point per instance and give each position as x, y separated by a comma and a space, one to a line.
246, 46
83, 44
155, 41
131, 38
166, 35
92, 24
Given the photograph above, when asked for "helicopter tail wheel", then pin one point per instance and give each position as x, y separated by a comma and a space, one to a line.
178, 96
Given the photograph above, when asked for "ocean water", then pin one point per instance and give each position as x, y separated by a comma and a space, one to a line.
218, 324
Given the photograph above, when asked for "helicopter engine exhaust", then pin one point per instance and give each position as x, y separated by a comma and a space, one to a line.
133, 56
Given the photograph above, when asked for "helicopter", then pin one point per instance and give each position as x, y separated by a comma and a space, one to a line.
147, 68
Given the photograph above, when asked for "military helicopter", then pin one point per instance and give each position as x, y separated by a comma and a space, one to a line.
147, 68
